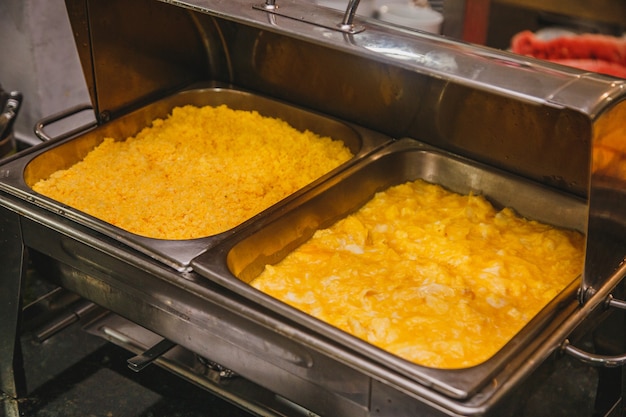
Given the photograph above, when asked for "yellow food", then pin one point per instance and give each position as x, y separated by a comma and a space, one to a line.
197, 173
437, 278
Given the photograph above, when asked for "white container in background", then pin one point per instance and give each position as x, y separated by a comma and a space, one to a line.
365, 8
411, 16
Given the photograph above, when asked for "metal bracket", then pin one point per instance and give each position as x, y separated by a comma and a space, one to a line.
218, 373
43, 123
312, 14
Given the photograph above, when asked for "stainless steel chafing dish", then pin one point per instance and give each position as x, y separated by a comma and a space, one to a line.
541, 138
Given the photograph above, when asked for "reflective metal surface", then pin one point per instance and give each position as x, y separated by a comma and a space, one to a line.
606, 235
526, 116
528, 119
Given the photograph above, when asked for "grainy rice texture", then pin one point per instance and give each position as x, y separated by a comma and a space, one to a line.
199, 172
437, 278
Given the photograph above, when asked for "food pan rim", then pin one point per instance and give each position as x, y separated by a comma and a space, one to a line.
174, 253
456, 383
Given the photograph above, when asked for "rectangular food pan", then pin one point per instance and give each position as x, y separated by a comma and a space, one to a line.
240, 258
61, 154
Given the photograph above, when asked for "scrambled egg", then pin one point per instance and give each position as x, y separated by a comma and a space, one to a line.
199, 172
437, 278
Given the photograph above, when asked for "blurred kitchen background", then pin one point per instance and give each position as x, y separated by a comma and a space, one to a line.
39, 60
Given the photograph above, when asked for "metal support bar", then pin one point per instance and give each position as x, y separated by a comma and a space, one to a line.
12, 259
64, 320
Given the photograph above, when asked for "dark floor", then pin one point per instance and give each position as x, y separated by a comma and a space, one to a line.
81, 375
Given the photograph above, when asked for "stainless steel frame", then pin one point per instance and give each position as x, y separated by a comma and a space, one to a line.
550, 125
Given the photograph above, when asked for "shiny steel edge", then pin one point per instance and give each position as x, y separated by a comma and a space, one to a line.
484, 68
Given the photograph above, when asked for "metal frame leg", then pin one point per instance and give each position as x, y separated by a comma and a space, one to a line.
609, 339
12, 270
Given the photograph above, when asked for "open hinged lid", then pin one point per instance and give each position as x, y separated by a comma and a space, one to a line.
552, 124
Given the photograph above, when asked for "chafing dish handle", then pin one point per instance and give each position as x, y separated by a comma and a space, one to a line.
605, 361
139, 362
594, 359
40, 126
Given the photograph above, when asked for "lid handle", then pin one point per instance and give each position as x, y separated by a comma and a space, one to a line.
312, 14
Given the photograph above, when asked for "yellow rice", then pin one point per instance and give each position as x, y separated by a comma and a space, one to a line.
199, 172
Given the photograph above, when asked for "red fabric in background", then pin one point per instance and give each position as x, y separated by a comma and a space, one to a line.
592, 52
